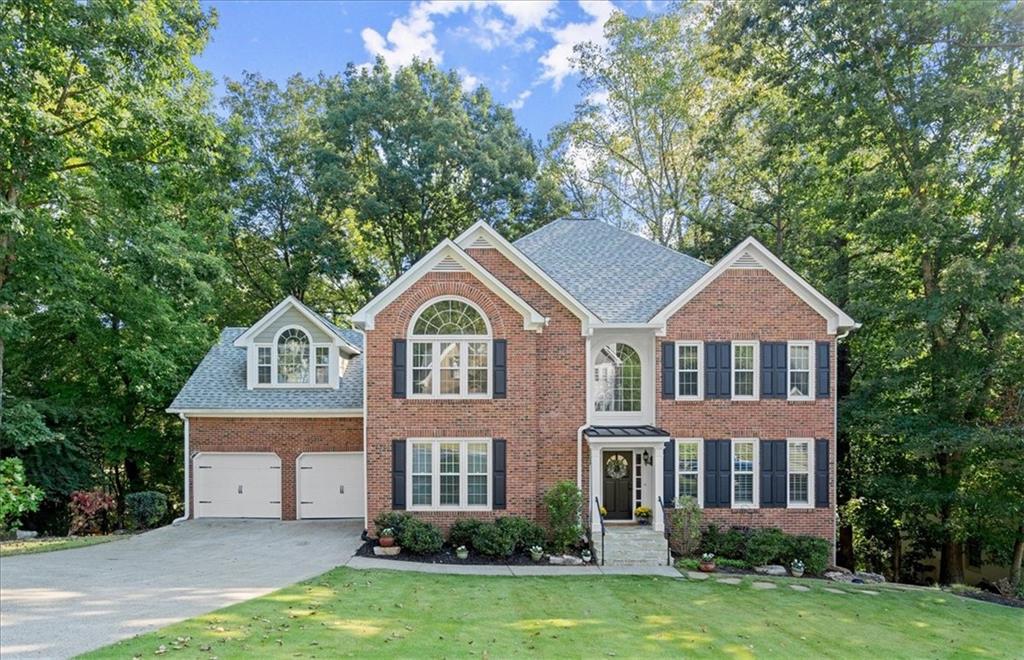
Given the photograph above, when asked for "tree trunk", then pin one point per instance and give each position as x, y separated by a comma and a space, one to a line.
951, 563
1018, 556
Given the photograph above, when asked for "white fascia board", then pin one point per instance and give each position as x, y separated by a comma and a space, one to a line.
261, 412
246, 337
836, 318
532, 270
532, 319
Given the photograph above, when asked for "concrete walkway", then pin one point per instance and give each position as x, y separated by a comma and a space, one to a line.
59, 604
534, 570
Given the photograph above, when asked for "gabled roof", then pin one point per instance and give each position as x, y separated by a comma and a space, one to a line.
315, 318
448, 257
219, 385
751, 253
619, 276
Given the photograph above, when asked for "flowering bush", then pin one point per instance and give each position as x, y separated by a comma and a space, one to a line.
707, 557
89, 509
642, 512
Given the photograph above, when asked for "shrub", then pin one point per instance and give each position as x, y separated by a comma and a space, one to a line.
492, 540
396, 520
688, 563
145, 510
17, 496
463, 531
685, 527
767, 546
418, 537
525, 533
89, 509
725, 562
564, 503
734, 543
811, 550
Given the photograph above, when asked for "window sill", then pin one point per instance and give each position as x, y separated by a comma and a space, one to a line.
743, 507
744, 398
448, 397
448, 509
801, 399
689, 398
799, 505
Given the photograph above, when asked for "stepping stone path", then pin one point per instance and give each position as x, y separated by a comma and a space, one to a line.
834, 591
694, 575
868, 592
729, 581
762, 585
798, 587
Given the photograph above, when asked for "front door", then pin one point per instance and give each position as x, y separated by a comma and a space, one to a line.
618, 486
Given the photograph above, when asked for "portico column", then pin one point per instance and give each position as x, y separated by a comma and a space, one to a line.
595, 488
659, 487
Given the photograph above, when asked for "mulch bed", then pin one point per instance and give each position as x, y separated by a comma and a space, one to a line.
447, 556
990, 597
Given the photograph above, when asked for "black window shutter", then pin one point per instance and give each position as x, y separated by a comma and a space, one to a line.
710, 472
773, 370
669, 470
498, 474
398, 474
398, 368
725, 473
822, 367
500, 359
711, 371
668, 370
724, 372
821, 472
780, 473
767, 392
767, 466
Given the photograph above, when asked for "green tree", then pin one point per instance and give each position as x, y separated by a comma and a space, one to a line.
17, 496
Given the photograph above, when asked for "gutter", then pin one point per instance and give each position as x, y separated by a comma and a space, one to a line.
188, 497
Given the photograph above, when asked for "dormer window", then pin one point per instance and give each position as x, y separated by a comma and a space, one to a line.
293, 357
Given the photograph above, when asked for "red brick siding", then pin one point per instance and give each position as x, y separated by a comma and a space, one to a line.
285, 436
753, 305
539, 417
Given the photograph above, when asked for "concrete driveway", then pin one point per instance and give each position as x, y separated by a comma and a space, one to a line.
62, 603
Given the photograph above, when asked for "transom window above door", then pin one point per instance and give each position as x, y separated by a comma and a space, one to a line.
617, 379
449, 351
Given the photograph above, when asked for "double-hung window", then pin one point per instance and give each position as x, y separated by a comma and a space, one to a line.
688, 462
449, 474
744, 369
798, 466
323, 364
744, 473
263, 365
800, 366
450, 351
689, 368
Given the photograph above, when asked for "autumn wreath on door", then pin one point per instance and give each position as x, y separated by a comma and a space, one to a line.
616, 467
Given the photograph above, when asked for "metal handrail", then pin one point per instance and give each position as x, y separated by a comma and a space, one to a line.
668, 531
600, 517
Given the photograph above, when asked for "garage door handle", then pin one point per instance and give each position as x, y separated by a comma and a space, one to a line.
341, 489
239, 489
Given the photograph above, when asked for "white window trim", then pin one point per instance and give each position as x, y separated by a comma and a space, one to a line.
700, 467
810, 371
756, 481
435, 471
700, 371
809, 504
757, 371
435, 353
332, 360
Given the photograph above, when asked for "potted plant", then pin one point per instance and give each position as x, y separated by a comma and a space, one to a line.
536, 553
386, 538
643, 515
796, 568
586, 556
604, 511
462, 552
707, 562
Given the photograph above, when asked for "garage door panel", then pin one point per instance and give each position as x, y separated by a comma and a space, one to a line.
239, 485
330, 485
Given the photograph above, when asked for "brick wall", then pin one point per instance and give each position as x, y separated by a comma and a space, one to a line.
751, 304
285, 436
539, 417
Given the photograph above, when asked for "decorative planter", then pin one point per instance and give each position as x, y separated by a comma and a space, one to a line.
643, 521
462, 554
381, 551
586, 556
386, 541
796, 573
536, 556
707, 567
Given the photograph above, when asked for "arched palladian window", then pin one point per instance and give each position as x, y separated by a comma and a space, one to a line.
450, 350
617, 379
293, 357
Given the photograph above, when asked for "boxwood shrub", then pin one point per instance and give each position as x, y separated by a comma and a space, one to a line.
463, 531
146, 509
766, 546
418, 537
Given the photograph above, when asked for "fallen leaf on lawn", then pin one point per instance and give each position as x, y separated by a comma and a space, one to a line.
160, 650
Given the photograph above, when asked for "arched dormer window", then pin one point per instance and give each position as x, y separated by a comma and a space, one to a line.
293, 357
617, 379
449, 350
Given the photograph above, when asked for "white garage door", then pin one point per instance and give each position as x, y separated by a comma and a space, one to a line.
331, 485
237, 485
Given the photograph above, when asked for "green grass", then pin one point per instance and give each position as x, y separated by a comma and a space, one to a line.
390, 614
49, 544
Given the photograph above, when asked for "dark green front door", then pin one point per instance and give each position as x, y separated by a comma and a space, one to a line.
618, 486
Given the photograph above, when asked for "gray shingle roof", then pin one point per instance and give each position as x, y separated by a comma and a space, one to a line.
219, 383
621, 277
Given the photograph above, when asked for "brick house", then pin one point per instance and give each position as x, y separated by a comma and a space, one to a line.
491, 370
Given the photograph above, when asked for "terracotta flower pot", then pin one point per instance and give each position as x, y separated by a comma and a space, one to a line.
386, 541
707, 567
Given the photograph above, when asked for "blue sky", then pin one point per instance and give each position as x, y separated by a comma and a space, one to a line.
519, 49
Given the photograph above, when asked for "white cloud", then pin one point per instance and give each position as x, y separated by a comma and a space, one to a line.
520, 100
469, 81
557, 61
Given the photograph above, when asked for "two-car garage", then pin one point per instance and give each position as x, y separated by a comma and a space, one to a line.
250, 484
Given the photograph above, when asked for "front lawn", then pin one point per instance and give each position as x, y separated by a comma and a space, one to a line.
48, 544
396, 614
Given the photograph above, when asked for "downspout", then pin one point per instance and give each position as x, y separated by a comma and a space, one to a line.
188, 497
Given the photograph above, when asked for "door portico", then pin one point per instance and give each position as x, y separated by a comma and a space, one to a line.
619, 449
